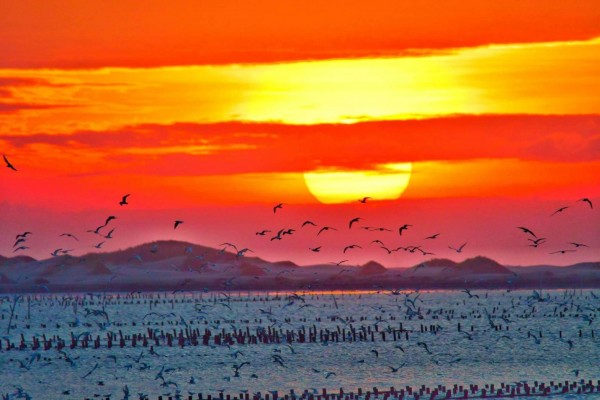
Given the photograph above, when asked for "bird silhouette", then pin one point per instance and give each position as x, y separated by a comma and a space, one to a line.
392, 369
352, 246
579, 244
403, 228
537, 241
110, 218
525, 230
586, 200
326, 228
378, 229
263, 232
20, 248
563, 251
315, 249
55, 252
123, 201
425, 253
308, 223
99, 245
339, 262
458, 250
97, 230
559, 210
22, 235
177, 223
8, 164
353, 221
69, 235
434, 236
278, 206
243, 251
363, 200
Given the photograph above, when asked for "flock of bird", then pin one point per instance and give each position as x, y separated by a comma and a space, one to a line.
353, 224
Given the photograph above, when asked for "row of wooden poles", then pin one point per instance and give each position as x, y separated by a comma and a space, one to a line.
488, 390
259, 335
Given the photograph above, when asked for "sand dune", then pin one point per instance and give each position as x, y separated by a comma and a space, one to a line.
172, 265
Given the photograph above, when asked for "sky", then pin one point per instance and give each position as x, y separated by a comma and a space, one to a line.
462, 118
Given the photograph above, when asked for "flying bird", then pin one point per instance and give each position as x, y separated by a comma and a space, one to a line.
110, 218
99, 245
559, 210
177, 223
55, 252
433, 236
403, 228
326, 228
586, 200
243, 251
352, 246
525, 230
339, 262
579, 244
537, 241
69, 235
19, 240
392, 369
459, 250
109, 235
97, 230
378, 229
22, 235
425, 253
315, 249
263, 232
364, 200
280, 205
20, 248
8, 164
123, 201
563, 251
352, 221
308, 223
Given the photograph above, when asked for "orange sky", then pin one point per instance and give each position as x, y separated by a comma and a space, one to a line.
198, 106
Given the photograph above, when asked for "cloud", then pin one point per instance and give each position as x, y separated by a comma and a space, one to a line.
238, 147
15, 107
194, 33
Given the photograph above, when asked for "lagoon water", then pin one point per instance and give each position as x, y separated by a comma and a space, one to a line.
499, 341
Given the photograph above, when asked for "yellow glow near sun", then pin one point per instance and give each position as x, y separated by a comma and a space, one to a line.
386, 183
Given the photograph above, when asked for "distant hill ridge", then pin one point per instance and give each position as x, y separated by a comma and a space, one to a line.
178, 265
169, 249
475, 265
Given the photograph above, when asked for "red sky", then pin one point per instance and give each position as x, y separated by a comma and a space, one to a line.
213, 112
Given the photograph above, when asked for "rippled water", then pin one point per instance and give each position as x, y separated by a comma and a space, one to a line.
485, 355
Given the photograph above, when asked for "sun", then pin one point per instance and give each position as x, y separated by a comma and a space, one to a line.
387, 182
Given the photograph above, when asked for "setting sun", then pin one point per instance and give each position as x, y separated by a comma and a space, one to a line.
387, 183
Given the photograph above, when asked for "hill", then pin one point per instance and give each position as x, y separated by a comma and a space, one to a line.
174, 265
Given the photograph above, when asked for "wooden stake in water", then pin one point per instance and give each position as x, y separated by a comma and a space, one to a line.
12, 312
